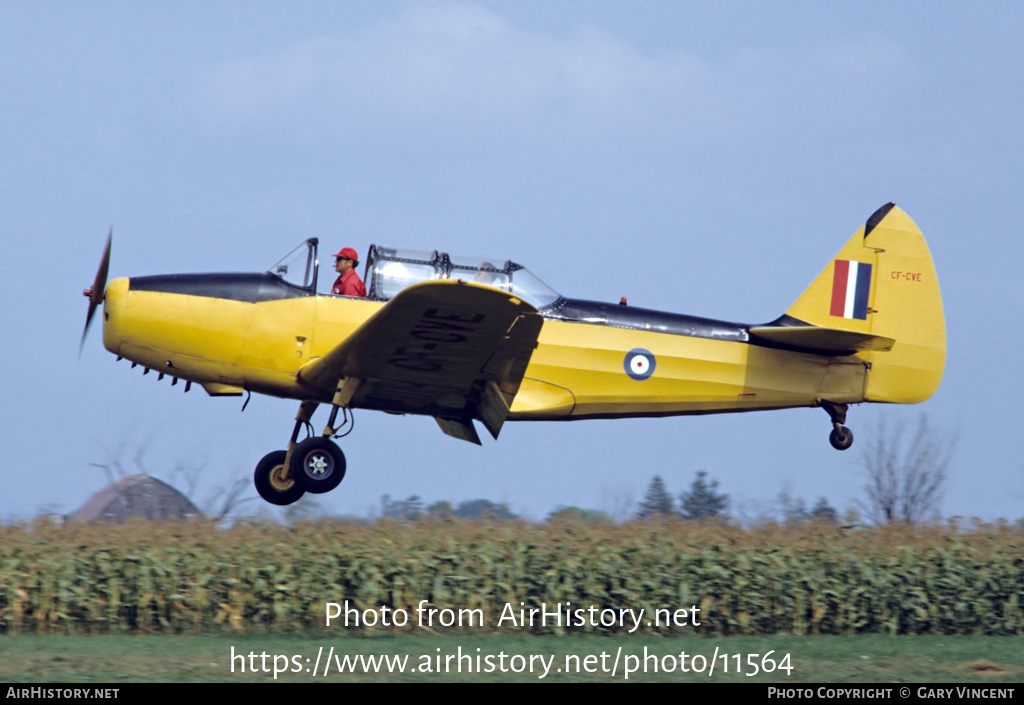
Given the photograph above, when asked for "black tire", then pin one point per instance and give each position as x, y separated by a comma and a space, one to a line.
273, 484
841, 438
318, 465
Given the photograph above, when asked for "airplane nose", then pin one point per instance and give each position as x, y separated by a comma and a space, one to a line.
114, 305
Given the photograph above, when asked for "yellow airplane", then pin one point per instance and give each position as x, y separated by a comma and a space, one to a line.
465, 340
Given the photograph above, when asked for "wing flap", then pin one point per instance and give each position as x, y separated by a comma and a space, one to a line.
508, 363
822, 339
459, 428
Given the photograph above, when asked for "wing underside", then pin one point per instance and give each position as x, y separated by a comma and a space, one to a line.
449, 349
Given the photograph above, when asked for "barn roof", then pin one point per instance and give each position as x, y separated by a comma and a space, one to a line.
136, 496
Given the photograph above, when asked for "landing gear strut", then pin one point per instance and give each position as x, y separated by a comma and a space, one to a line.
315, 465
841, 437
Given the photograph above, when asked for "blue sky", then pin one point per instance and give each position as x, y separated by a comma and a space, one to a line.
707, 158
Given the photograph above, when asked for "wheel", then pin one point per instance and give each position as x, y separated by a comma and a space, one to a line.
841, 438
272, 481
318, 465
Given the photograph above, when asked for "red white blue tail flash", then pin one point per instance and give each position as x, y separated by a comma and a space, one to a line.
851, 285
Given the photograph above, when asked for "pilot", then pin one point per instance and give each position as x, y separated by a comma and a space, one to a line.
485, 277
348, 282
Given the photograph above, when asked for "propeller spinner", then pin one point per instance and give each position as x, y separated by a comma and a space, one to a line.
98, 290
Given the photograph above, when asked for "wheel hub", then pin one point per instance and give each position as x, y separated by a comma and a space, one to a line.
319, 465
280, 480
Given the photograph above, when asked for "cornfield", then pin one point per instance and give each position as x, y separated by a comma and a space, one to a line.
815, 579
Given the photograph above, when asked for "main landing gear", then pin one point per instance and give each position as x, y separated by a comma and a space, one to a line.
315, 465
841, 437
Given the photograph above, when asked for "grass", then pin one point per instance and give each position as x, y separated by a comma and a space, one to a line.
823, 659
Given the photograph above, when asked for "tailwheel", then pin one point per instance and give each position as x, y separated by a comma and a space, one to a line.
273, 481
841, 438
318, 465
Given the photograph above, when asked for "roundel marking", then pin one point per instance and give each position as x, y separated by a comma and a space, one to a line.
639, 364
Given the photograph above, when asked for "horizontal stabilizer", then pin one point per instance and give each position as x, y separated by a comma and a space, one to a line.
821, 339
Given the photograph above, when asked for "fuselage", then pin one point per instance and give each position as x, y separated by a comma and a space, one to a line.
252, 332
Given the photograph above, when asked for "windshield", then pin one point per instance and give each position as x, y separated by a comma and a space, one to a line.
530, 288
392, 269
299, 266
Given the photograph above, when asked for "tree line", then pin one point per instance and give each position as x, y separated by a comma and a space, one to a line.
905, 471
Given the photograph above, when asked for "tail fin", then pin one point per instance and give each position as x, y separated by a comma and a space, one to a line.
883, 283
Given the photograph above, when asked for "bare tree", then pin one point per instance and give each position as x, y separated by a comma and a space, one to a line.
306, 509
905, 478
224, 501
618, 501
115, 468
187, 475
794, 510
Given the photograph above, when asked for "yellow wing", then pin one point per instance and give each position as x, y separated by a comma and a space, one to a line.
449, 349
